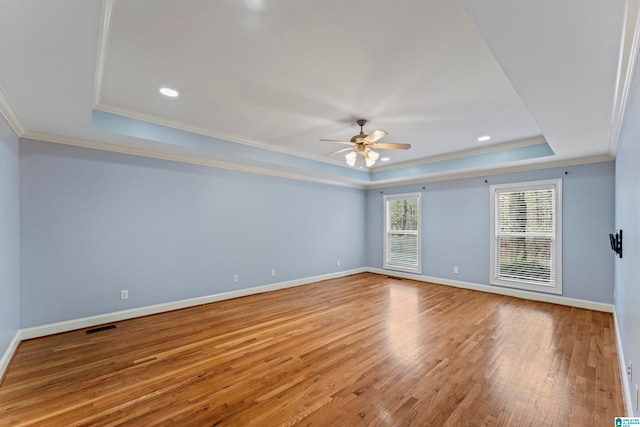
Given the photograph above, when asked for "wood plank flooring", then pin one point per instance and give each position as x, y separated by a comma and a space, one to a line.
361, 350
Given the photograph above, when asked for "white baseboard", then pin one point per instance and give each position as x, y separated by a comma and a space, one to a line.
535, 296
8, 354
556, 299
626, 389
86, 322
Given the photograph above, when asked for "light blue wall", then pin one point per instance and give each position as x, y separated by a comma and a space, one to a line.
455, 226
627, 269
95, 222
10, 236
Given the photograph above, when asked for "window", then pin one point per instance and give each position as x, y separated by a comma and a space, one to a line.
402, 232
526, 235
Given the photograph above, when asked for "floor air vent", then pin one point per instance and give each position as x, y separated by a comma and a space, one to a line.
100, 329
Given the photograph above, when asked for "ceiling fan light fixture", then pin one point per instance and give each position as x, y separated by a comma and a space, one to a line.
370, 157
351, 158
364, 143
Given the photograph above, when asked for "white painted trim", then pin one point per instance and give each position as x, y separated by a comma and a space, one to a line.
8, 354
525, 142
627, 60
517, 293
54, 328
339, 181
86, 322
447, 176
218, 135
182, 158
624, 379
555, 184
10, 115
403, 196
103, 45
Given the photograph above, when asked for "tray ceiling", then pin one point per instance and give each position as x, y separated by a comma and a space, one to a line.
261, 81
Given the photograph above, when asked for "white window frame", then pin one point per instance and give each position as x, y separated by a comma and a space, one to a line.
556, 246
387, 232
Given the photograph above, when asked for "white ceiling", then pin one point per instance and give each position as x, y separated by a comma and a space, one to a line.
281, 74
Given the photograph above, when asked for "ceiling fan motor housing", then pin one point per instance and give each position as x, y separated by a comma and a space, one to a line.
358, 138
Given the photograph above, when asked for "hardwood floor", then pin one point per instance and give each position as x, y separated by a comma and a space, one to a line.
361, 350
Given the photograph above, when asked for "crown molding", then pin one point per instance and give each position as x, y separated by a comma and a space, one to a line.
627, 60
218, 135
103, 44
200, 161
465, 153
9, 113
184, 158
493, 171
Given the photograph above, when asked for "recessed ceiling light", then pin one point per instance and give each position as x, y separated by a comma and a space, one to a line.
167, 91
255, 5
484, 138
384, 159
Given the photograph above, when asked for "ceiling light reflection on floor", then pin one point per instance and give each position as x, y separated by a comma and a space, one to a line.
403, 325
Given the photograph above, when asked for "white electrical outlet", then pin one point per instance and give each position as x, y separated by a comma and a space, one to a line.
273, 273
235, 278
124, 294
455, 270
630, 370
338, 263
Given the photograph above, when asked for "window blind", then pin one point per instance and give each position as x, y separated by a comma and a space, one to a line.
526, 235
402, 232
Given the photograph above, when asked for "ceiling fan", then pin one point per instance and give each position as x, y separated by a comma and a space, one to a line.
363, 144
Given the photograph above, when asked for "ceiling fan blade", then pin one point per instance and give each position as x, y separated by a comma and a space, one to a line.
391, 145
336, 141
375, 135
339, 151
